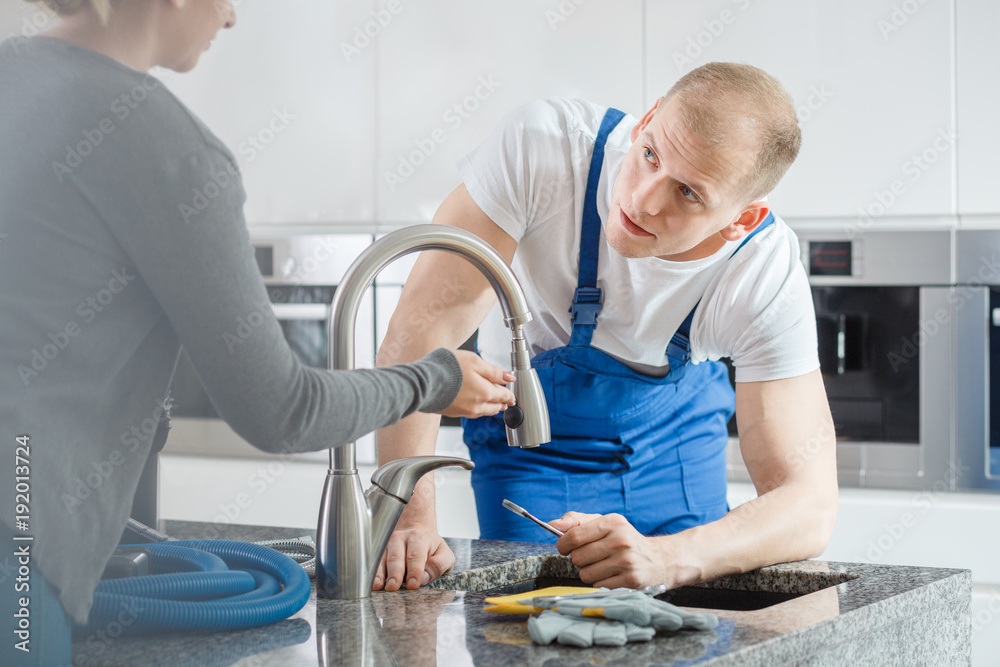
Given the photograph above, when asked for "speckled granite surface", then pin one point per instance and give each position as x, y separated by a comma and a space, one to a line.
846, 614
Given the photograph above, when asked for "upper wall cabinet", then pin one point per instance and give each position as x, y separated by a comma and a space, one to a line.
978, 102
293, 97
450, 71
872, 81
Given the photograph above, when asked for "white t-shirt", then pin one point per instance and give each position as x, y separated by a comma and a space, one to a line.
529, 177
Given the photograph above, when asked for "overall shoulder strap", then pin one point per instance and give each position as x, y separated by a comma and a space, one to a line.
679, 348
587, 298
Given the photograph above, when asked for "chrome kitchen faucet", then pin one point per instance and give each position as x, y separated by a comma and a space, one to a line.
355, 526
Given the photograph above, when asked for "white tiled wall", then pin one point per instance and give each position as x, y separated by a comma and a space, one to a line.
867, 102
360, 109
298, 113
978, 99
449, 71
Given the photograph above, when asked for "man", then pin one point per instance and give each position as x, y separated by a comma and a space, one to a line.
647, 251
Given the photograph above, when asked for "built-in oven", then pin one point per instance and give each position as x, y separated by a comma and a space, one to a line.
904, 328
301, 272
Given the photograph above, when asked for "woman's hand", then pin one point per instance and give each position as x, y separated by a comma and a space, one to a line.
483, 392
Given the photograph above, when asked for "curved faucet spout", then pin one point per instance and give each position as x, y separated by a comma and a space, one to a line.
354, 526
533, 430
391, 247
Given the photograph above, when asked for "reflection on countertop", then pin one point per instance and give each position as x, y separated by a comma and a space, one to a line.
845, 613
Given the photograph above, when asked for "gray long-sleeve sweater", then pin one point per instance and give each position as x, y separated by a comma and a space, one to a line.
122, 238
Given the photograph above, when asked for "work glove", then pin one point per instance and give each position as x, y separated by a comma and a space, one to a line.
610, 617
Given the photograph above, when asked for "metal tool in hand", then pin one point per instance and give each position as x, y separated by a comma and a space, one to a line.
517, 509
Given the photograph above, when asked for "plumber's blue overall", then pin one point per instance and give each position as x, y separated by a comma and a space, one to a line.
651, 449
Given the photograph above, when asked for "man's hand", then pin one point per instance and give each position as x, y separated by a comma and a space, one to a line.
413, 557
482, 393
610, 552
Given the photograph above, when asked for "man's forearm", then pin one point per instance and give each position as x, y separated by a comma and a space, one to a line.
791, 522
414, 436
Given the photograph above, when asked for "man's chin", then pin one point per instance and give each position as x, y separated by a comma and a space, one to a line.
625, 245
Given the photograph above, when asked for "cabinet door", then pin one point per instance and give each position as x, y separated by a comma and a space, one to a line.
449, 71
872, 81
978, 101
295, 106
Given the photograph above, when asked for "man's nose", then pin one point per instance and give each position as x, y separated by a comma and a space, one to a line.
228, 12
649, 198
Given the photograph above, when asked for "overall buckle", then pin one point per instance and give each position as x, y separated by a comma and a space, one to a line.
586, 306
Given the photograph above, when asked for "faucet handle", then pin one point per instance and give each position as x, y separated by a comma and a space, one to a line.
397, 478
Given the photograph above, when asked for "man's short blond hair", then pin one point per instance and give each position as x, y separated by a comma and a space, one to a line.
742, 106
67, 7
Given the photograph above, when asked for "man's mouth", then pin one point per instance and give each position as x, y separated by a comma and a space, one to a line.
631, 227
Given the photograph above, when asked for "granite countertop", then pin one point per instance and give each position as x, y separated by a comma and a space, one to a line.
839, 613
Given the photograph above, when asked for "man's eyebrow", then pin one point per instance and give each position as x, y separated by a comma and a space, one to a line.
697, 188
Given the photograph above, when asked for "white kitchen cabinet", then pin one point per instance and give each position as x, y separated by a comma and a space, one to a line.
978, 101
295, 106
450, 71
872, 80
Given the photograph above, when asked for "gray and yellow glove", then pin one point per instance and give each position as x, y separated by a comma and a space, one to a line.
610, 617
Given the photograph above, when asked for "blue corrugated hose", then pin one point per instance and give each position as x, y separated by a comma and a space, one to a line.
203, 585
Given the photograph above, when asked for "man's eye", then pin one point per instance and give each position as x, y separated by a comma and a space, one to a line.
649, 156
688, 193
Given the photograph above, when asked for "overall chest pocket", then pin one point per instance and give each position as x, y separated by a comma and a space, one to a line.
599, 392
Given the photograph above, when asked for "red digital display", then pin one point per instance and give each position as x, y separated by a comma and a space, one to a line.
829, 258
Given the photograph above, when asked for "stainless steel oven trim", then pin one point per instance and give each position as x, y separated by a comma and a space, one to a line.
301, 311
945, 386
976, 268
972, 409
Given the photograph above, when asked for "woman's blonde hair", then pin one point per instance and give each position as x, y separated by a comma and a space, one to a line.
67, 7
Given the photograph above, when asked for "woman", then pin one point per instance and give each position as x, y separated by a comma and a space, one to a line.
104, 274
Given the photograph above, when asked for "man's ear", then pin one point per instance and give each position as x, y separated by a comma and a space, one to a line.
747, 221
644, 121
